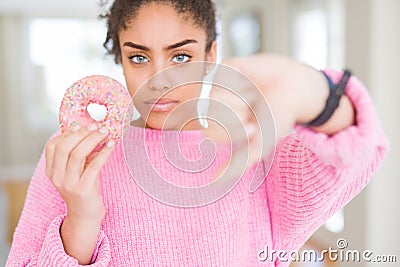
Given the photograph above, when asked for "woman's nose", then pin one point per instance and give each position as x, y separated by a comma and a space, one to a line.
160, 80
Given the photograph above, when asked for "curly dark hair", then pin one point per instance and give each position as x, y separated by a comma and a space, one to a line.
201, 12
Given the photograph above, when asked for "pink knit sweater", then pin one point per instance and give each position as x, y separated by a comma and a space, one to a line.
312, 177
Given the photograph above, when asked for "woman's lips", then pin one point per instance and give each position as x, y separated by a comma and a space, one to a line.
161, 105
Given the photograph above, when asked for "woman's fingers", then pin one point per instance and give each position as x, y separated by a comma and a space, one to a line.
73, 168
49, 154
67, 154
81, 153
91, 172
91, 157
64, 148
50, 151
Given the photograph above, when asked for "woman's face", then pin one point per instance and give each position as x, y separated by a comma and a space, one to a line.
156, 39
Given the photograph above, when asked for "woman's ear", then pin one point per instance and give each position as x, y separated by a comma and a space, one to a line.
211, 55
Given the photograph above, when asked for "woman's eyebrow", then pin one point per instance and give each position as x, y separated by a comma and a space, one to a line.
170, 47
182, 43
136, 46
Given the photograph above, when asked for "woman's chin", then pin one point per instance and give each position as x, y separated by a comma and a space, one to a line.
158, 122
172, 125
165, 121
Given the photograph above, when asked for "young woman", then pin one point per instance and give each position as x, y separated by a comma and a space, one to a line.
84, 208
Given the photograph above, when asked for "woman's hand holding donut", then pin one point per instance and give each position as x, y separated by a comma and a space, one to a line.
74, 168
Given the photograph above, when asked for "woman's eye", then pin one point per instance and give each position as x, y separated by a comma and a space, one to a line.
138, 59
181, 58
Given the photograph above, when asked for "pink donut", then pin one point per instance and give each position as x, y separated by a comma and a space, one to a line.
100, 90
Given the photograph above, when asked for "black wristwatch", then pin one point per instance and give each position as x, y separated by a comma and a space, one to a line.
336, 91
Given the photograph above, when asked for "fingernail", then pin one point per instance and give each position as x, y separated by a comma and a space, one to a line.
92, 127
110, 143
75, 128
103, 130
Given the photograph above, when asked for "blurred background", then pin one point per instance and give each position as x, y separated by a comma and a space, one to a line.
46, 45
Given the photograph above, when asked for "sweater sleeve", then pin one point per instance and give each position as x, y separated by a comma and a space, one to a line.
314, 175
37, 240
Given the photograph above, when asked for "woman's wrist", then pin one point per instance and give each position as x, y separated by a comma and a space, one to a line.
314, 102
312, 92
336, 92
343, 117
79, 237
301, 89
83, 222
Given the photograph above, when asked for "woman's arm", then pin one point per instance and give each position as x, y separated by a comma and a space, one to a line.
74, 171
37, 239
295, 92
316, 174
316, 171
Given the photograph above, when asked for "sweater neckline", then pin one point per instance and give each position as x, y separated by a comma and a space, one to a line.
149, 134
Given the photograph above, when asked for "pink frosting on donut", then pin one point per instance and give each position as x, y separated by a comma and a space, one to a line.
101, 90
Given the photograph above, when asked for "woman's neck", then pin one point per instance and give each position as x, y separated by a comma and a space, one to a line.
213, 132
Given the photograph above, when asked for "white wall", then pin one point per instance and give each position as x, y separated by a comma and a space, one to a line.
383, 197
273, 17
372, 52
50, 8
357, 54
